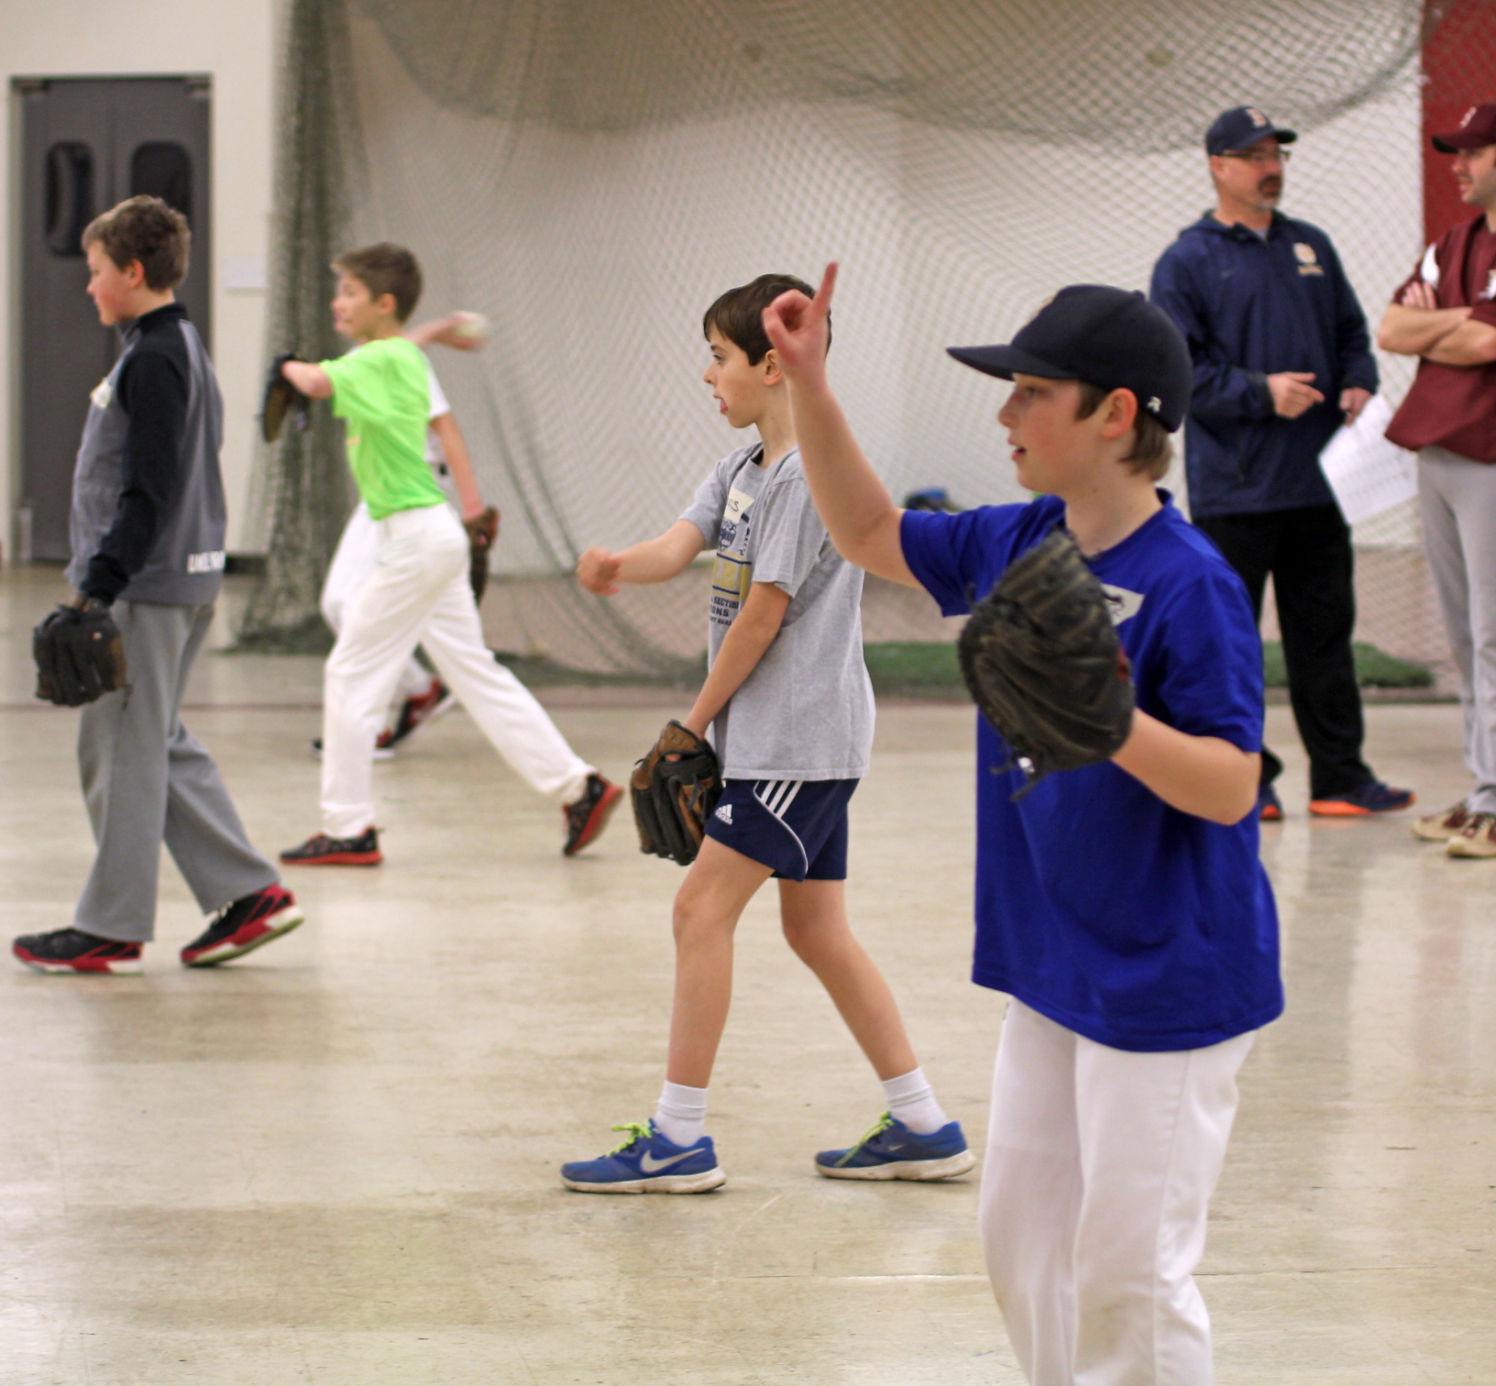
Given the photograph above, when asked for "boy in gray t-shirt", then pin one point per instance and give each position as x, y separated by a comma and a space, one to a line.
790, 709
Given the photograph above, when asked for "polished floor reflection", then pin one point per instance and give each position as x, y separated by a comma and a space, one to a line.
334, 1162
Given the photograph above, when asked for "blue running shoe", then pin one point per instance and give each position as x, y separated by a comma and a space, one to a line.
890, 1150
1362, 802
647, 1162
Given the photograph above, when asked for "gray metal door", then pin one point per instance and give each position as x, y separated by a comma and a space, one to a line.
88, 143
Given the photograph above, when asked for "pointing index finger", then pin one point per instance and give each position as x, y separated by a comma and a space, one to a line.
828, 283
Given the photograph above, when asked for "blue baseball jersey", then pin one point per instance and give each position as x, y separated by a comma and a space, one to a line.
1097, 904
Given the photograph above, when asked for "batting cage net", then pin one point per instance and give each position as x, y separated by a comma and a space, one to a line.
591, 176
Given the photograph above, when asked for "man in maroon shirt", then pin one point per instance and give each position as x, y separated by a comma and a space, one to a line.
1445, 314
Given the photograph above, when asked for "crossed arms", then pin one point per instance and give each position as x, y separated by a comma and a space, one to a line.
1416, 326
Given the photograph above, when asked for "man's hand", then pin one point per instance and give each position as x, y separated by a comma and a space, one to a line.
796, 327
1419, 295
1292, 393
1352, 401
597, 571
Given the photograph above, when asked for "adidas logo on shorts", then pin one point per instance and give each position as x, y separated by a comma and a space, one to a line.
725, 814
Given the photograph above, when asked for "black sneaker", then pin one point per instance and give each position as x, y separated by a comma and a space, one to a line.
415, 712
73, 950
249, 923
321, 850
586, 818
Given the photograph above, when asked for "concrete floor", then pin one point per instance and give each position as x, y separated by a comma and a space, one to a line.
335, 1161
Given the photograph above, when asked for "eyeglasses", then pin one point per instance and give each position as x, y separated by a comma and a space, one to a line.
1260, 157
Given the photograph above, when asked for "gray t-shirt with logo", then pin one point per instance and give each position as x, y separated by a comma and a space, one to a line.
806, 710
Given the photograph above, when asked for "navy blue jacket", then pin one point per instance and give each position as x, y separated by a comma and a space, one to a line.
1248, 308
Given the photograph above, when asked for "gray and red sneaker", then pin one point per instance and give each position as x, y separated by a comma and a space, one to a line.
74, 950
588, 816
436, 701
248, 923
321, 850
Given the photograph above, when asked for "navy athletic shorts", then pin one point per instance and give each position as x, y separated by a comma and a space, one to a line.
796, 827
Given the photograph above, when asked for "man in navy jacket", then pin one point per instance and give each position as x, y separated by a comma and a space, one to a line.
1281, 358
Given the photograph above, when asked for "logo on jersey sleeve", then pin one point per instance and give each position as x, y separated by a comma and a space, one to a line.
101, 394
737, 521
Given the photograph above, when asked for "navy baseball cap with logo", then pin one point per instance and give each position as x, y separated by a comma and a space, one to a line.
1240, 128
1105, 337
1477, 130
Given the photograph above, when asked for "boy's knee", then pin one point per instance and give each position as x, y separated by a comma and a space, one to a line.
796, 934
691, 918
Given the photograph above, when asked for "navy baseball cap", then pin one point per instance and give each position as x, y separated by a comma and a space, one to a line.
1105, 337
1477, 130
1240, 128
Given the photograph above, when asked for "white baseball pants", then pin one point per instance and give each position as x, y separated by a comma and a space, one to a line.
418, 593
352, 563
1099, 1169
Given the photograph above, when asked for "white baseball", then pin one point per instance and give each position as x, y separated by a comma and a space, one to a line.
470, 327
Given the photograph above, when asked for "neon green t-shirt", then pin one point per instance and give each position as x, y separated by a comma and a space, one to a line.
381, 389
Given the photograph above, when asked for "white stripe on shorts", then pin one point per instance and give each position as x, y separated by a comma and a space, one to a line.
777, 795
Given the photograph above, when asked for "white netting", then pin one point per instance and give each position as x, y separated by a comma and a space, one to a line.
591, 175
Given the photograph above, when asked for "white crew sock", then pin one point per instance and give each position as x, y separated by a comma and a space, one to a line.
681, 1115
911, 1100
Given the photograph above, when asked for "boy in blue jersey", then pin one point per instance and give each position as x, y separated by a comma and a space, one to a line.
1122, 906
790, 707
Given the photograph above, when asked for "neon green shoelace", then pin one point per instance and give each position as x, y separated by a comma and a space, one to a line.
882, 1124
636, 1133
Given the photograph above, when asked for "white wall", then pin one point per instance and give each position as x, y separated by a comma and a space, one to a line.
231, 41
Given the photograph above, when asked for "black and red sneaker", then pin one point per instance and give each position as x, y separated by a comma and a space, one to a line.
321, 850
249, 923
73, 950
416, 712
586, 818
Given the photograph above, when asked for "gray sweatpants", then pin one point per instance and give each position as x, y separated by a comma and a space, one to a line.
147, 780
1457, 503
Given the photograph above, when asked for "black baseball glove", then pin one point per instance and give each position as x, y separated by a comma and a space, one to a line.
675, 788
1041, 658
79, 655
482, 532
281, 398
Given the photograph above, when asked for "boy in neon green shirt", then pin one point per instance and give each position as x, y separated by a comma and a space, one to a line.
419, 593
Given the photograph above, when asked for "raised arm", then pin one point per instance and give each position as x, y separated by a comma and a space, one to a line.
852, 502
460, 330
653, 560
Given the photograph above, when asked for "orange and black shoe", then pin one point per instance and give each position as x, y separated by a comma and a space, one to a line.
1366, 799
322, 850
1269, 806
586, 818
